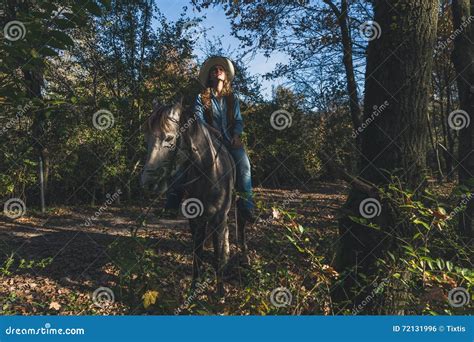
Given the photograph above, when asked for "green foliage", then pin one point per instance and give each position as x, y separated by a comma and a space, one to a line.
139, 271
58, 76
113, 56
297, 145
301, 271
430, 257
11, 265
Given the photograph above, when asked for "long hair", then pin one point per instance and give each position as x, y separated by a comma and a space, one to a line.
227, 93
206, 93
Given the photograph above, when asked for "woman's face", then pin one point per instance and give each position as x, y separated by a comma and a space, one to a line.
217, 73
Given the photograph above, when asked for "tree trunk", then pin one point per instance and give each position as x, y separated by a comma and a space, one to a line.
398, 71
448, 147
347, 60
463, 56
34, 82
432, 135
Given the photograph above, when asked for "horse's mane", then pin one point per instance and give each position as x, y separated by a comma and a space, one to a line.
158, 120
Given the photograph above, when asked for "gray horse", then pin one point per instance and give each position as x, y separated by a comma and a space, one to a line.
177, 141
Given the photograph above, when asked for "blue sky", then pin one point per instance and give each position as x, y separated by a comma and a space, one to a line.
217, 25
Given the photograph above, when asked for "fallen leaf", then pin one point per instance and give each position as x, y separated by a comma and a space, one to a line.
276, 213
149, 298
55, 306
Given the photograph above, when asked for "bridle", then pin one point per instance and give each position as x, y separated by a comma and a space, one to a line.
174, 158
169, 163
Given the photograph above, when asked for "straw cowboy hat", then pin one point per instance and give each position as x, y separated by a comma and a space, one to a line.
213, 61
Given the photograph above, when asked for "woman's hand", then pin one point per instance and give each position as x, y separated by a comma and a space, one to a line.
237, 141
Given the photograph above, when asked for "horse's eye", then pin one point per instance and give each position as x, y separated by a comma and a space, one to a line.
169, 138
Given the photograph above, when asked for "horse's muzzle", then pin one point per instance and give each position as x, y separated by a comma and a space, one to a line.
153, 181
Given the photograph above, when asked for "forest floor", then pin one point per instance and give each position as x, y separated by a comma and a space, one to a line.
53, 263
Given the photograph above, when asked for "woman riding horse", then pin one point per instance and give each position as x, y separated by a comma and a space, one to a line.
217, 107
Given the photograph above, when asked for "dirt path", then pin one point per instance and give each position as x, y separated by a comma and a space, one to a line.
65, 260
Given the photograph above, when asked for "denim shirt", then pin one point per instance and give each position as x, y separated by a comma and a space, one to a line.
219, 112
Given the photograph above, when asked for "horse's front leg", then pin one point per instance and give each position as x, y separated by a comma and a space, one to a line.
244, 257
198, 230
220, 237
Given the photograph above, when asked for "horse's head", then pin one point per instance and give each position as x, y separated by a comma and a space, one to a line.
161, 135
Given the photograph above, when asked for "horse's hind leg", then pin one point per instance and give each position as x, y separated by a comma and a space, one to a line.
198, 230
244, 257
221, 252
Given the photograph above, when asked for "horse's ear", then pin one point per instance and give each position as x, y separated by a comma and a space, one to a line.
176, 110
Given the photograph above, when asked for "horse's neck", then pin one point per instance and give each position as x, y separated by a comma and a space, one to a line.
219, 159
202, 147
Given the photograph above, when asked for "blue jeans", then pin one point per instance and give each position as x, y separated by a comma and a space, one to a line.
244, 177
243, 186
